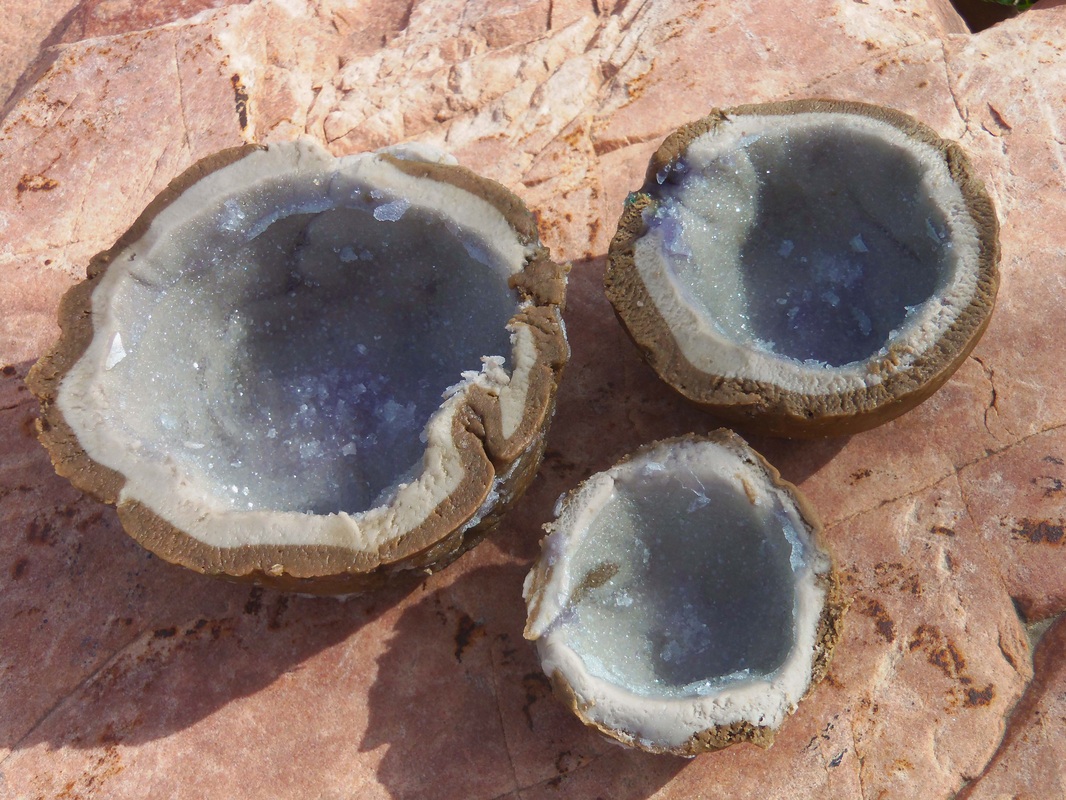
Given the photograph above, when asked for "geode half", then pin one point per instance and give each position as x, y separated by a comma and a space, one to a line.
683, 600
307, 371
806, 268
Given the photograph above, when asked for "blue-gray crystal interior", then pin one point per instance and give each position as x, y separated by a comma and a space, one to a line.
822, 241
292, 358
701, 587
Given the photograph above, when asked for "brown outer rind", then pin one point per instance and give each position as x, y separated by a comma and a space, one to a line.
767, 408
319, 569
830, 623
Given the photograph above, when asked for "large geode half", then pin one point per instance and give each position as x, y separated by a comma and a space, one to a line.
683, 601
806, 268
307, 371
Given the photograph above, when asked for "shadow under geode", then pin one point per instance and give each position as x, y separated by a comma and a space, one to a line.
464, 712
111, 645
610, 403
460, 702
105, 643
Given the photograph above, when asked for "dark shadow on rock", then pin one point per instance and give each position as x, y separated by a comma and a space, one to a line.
980, 15
98, 18
798, 459
463, 710
1031, 712
46, 56
106, 644
610, 403
112, 644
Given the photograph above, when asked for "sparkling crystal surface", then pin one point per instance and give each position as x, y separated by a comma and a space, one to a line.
683, 585
291, 360
815, 244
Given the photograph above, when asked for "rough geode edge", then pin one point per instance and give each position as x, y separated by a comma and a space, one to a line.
829, 629
767, 408
491, 460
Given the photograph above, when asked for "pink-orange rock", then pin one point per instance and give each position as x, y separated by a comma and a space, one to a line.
28, 28
123, 677
1029, 764
32, 29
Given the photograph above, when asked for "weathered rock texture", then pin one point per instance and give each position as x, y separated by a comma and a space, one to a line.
124, 677
1029, 764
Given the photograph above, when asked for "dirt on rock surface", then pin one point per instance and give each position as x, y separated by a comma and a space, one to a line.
125, 677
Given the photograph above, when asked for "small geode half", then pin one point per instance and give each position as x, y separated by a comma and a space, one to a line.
683, 601
806, 268
307, 371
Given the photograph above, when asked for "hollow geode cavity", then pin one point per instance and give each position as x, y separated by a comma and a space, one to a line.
682, 601
806, 268
310, 372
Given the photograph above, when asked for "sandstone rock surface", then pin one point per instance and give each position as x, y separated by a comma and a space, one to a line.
1029, 762
125, 677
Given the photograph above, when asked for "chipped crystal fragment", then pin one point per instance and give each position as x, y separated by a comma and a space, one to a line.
116, 352
391, 212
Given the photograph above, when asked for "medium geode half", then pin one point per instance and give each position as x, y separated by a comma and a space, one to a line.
254, 373
683, 601
806, 268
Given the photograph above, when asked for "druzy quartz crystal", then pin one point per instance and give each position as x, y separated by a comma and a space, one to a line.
683, 601
806, 268
311, 372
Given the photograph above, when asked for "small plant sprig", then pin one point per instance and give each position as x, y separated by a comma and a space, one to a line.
1021, 5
